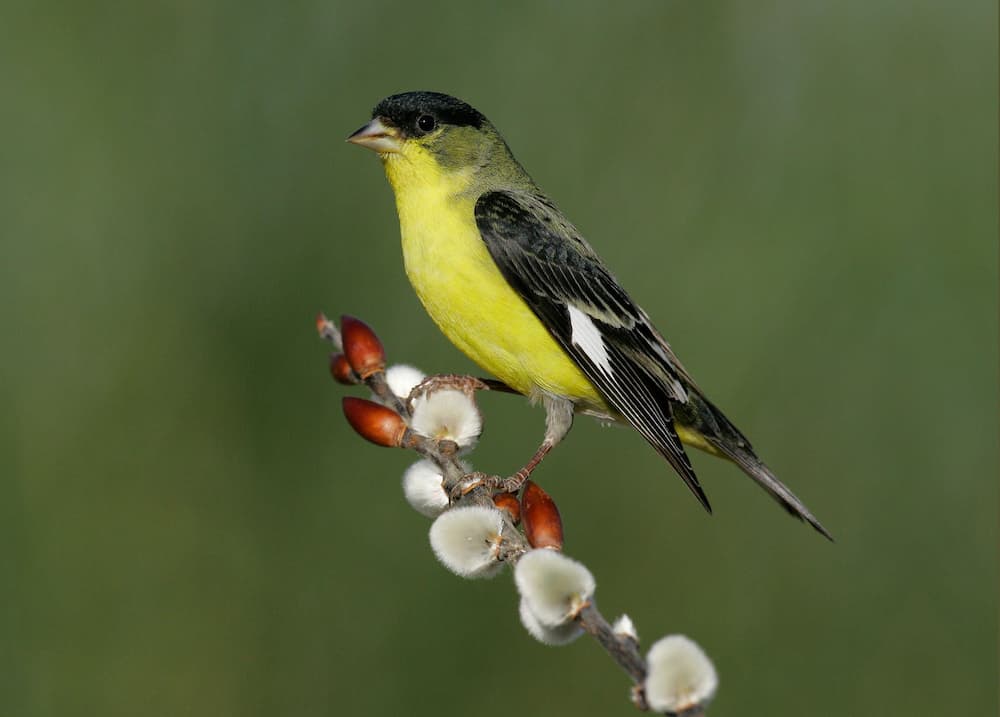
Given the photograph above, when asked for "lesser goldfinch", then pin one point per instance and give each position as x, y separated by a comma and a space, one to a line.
513, 284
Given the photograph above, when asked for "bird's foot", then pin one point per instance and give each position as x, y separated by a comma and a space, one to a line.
493, 483
512, 484
466, 384
469, 482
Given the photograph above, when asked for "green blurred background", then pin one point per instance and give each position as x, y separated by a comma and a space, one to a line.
803, 196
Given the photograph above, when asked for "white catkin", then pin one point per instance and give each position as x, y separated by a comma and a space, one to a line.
467, 541
424, 490
403, 378
680, 675
447, 414
559, 635
554, 585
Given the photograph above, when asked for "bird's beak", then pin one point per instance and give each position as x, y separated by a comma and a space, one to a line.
378, 136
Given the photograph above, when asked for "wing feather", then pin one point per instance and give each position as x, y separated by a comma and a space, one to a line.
552, 268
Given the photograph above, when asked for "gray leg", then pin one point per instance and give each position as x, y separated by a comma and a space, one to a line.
558, 418
558, 421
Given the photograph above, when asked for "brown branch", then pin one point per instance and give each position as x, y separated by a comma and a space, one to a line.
478, 489
622, 649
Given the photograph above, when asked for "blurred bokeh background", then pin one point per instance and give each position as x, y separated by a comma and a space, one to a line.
804, 197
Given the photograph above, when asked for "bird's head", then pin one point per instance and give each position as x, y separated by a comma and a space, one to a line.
427, 137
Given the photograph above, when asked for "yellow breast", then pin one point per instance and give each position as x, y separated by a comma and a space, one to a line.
465, 294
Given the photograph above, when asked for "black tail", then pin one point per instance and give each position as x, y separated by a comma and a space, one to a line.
756, 469
699, 414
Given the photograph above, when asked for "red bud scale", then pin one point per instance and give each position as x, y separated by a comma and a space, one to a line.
508, 502
362, 347
374, 422
542, 524
341, 370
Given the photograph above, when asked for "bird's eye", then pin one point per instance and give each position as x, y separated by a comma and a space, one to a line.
426, 123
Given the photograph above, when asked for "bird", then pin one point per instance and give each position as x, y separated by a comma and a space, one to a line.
515, 286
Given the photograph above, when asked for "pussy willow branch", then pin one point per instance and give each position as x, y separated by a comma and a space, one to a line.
621, 648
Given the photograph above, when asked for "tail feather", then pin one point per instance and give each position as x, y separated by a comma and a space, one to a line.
756, 469
700, 415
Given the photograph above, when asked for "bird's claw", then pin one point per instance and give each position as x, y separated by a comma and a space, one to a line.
469, 483
495, 484
512, 484
466, 384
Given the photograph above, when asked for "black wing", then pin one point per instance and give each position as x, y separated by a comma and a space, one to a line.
564, 283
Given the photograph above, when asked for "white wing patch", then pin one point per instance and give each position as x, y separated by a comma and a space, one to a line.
588, 337
680, 393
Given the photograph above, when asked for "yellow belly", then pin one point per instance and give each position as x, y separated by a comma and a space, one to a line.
470, 301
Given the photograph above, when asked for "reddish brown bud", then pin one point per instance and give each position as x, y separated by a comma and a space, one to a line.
321, 322
542, 524
341, 370
374, 422
361, 346
507, 502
